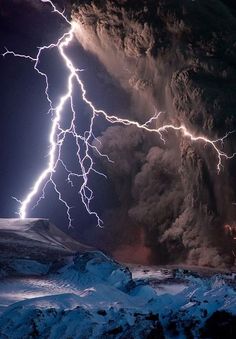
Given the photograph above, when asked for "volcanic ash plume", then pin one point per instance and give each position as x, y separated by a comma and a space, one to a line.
177, 57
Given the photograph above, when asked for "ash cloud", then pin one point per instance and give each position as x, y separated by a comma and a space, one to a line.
177, 56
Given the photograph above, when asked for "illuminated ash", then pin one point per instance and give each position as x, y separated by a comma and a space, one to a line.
85, 159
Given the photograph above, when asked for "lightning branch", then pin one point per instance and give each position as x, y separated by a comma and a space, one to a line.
58, 134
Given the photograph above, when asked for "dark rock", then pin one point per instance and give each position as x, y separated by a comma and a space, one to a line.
220, 325
102, 312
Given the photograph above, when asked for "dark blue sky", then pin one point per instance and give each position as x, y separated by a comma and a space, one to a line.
22, 104
25, 125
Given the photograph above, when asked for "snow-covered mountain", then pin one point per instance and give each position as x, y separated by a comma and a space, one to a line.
88, 295
34, 239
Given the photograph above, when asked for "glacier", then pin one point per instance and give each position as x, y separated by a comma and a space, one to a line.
51, 286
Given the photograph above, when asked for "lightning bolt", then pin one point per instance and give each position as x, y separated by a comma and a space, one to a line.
58, 134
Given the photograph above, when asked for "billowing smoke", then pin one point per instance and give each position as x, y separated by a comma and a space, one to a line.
180, 58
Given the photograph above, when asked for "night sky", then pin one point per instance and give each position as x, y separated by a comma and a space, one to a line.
177, 57
25, 123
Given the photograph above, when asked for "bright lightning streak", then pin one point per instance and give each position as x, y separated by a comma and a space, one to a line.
58, 134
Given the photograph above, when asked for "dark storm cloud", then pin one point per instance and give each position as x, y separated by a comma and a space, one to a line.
180, 58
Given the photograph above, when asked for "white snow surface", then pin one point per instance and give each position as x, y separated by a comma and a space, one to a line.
92, 296
18, 224
37, 233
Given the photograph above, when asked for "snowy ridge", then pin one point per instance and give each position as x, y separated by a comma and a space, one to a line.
89, 295
41, 231
34, 239
92, 296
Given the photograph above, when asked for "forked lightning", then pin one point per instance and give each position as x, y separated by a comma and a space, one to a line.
58, 134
